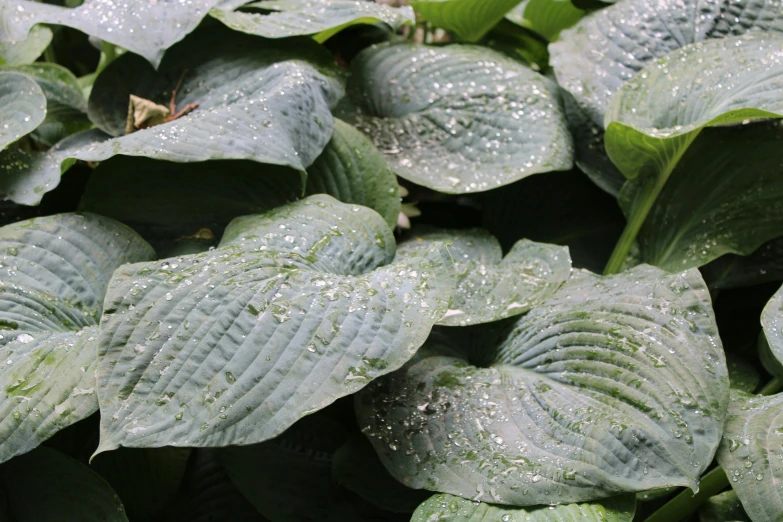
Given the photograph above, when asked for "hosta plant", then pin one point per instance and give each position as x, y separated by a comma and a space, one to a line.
390, 260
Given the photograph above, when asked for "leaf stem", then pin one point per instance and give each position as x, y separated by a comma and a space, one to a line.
686, 503
772, 387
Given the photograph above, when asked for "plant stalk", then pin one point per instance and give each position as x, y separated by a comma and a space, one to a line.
686, 503
772, 387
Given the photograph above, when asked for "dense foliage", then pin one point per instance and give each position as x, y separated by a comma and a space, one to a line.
347, 260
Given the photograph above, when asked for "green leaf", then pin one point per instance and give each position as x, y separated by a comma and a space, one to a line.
743, 374
322, 19
489, 286
144, 27
468, 19
22, 107
653, 120
443, 508
27, 50
750, 454
356, 467
546, 17
66, 108
297, 308
449, 125
55, 273
258, 99
208, 495
25, 176
734, 271
722, 197
352, 170
772, 323
72, 491
606, 48
615, 384
171, 205
144, 479
290, 477
725, 507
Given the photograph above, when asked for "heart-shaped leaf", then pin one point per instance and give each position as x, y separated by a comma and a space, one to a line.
613, 385
22, 107
750, 454
653, 120
448, 124
297, 308
352, 170
27, 50
73, 491
322, 18
144, 27
448, 508
66, 108
55, 273
468, 19
605, 49
257, 99
489, 286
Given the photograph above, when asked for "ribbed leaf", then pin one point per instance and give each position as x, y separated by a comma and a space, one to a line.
613, 385
144, 27
320, 18
750, 454
22, 107
772, 322
448, 508
468, 19
55, 273
596, 57
72, 490
352, 170
449, 125
295, 309
28, 49
490, 287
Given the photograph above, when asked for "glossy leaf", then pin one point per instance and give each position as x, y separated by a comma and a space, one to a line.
73, 491
443, 508
28, 49
352, 170
144, 27
734, 271
606, 48
260, 100
614, 384
26, 176
297, 308
55, 273
489, 286
449, 125
22, 107
750, 454
321, 18
546, 17
468, 19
